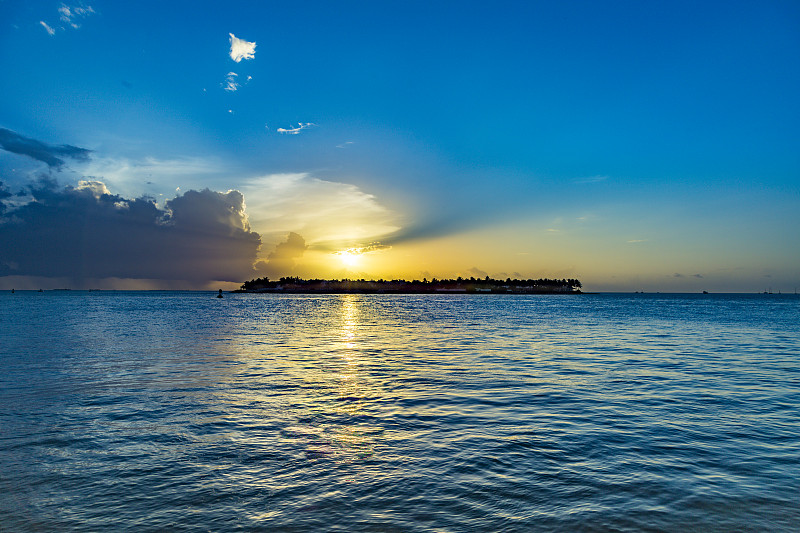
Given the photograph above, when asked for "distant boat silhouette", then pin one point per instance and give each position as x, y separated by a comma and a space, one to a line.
219, 295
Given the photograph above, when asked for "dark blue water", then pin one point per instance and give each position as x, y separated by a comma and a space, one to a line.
175, 411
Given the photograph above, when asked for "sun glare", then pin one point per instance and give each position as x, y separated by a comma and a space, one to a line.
349, 258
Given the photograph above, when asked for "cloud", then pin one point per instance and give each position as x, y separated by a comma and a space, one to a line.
69, 14
697, 276
241, 49
69, 17
590, 179
345, 144
4, 193
300, 127
330, 215
230, 82
477, 272
85, 233
97, 188
677, 275
359, 250
47, 28
634, 241
132, 176
282, 259
49, 154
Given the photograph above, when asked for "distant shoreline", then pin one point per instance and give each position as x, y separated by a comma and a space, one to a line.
294, 285
390, 291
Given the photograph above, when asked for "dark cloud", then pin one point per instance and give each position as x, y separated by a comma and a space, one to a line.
4, 193
677, 275
698, 275
281, 260
11, 141
86, 233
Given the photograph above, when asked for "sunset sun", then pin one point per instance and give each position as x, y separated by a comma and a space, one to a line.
349, 258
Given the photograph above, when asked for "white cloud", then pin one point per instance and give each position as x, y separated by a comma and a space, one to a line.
98, 188
69, 14
328, 214
300, 127
69, 17
47, 28
345, 144
230, 82
241, 49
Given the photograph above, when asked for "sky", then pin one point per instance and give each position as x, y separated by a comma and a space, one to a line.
632, 145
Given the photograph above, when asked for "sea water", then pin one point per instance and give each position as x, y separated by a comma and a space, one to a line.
179, 411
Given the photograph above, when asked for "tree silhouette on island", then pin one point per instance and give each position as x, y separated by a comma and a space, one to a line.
400, 286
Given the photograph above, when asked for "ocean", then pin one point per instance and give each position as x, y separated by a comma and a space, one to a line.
179, 411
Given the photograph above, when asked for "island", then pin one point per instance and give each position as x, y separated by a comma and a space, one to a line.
487, 285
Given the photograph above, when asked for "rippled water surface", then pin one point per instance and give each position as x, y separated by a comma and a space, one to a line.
147, 411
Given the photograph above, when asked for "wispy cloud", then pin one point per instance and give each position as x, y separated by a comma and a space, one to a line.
634, 241
330, 215
241, 49
358, 250
300, 127
52, 155
230, 82
69, 14
590, 179
47, 28
68, 17
345, 144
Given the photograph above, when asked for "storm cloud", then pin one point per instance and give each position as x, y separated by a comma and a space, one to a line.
49, 154
281, 260
86, 233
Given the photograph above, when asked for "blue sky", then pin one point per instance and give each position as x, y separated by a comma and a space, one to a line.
633, 145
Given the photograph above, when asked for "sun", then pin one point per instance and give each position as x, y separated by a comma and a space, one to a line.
349, 258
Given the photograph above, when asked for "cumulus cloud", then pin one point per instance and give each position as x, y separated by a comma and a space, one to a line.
97, 188
241, 49
85, 232
49, 154
282, 259
300, 127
